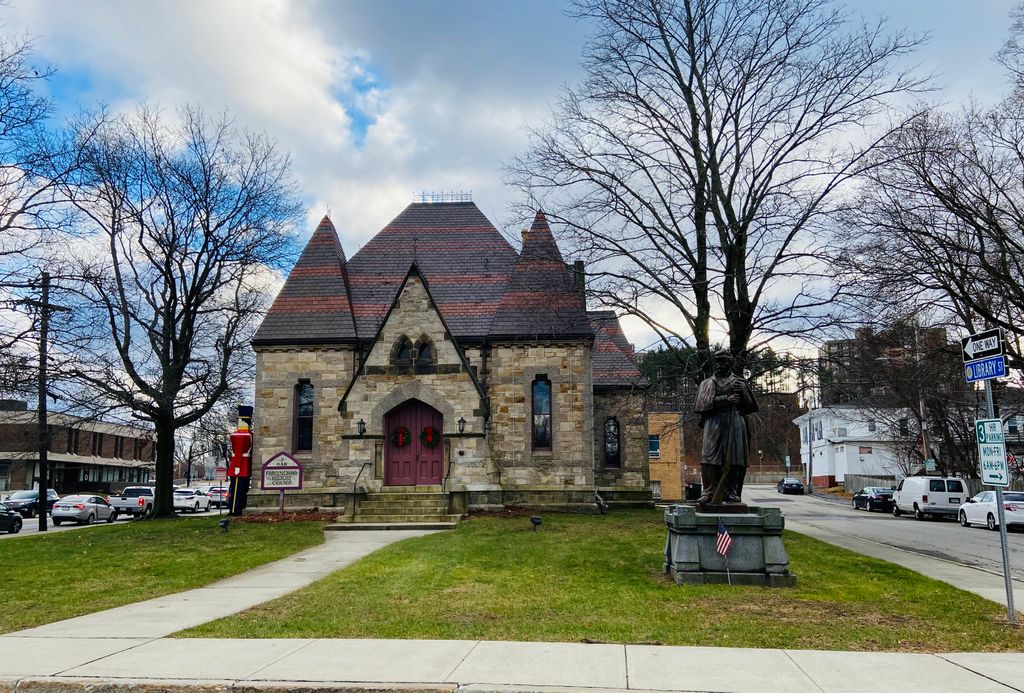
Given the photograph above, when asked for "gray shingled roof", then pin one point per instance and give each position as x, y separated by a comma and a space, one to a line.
313, 306
542, 299
458, 251
614, 361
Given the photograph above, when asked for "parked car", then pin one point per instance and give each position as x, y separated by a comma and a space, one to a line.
928, 496
136, 501
218, 496
982, 510
27, 502
790, 485
191, 499
873, 498
83, 509
10, 520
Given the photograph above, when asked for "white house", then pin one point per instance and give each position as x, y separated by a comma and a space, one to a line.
845, 439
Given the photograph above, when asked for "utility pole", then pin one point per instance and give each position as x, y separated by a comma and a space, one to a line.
45, 307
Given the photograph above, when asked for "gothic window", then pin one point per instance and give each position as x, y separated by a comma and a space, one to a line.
401, 353
303, 437
541, 391
424, 352
612, 452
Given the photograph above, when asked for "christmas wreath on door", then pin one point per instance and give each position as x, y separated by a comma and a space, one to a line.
400, 437
430, 437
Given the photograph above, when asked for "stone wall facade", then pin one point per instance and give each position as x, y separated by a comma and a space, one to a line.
512, 371
626, 407
493, 460
667, 468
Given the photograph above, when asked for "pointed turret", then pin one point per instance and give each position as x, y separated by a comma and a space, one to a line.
542, 299
314, 305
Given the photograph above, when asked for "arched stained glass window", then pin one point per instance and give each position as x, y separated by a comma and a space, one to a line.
303, 436
612, 448
541, 413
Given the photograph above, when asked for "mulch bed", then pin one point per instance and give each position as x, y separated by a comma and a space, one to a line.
300, 516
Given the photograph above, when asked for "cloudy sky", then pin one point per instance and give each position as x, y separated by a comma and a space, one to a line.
376, 99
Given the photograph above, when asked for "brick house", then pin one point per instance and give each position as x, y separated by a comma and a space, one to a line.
439, 360
83, 455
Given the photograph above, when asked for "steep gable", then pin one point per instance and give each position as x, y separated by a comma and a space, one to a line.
542, 299
455, 248
313, 306
414, 315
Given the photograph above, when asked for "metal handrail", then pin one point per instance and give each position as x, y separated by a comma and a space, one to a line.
354, 483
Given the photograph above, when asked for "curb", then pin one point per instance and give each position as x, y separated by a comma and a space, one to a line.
57, 684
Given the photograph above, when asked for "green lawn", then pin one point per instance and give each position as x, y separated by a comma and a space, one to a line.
594, 578
60, 575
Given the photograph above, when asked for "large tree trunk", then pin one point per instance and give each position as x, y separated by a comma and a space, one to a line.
163, 503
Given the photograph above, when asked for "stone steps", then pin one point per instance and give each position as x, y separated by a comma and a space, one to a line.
368, 526
419, 506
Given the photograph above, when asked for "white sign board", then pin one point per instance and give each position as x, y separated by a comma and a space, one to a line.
282, 472
992, 452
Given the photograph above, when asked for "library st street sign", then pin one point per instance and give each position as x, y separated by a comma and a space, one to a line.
983, 356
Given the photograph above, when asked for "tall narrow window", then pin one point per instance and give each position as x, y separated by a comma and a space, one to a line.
303, 417
119, 447
541, 413
73, 441
654, 446
612, 451
97, 444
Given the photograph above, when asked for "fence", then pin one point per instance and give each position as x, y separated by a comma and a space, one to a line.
854, 483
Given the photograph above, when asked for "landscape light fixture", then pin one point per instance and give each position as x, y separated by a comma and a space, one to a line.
535, 521
362, 427
223, 524
462, 424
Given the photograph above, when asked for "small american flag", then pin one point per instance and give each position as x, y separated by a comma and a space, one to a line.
724, 541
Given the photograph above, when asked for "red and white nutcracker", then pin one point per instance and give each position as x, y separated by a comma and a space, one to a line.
240, 464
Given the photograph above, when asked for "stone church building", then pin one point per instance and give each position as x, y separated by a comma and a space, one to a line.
438, 360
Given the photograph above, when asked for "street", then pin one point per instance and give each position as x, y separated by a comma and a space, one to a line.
30, 525
943, 539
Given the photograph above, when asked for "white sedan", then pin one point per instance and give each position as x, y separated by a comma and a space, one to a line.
191, 499
981, 510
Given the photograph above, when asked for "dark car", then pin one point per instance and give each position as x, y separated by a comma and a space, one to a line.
790, 485
10, 521
873, 498
27, 502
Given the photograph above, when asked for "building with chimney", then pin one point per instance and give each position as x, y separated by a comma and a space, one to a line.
439, 361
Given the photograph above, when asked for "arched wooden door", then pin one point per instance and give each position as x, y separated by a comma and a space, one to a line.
413, 458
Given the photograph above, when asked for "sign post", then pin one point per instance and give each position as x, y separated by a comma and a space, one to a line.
282, 472
984, 360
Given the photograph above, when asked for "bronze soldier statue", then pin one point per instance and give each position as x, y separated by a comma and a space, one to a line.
723, 402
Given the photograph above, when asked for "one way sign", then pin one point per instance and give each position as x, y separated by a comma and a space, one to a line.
982, 345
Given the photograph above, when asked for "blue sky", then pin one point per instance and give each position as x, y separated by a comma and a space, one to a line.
377, 99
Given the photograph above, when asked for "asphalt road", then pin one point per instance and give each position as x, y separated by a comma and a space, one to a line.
30, 525
944, 539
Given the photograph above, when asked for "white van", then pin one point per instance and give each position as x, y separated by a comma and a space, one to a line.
929, 495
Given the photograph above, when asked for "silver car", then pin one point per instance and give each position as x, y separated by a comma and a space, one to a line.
82, 509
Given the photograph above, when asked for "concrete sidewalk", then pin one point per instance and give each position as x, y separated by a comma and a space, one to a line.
120, 664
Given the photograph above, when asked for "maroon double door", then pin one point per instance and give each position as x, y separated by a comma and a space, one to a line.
416, 462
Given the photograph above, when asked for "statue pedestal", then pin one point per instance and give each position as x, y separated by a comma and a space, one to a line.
757, 556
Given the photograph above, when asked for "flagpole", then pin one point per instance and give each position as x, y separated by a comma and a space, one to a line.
728, 575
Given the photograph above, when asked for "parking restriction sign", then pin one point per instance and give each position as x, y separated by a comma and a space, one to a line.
992, 452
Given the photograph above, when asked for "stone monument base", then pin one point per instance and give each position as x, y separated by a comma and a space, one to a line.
757, 556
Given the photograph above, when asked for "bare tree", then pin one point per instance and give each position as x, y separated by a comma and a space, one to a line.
186, 217
696, 165
940, 221
29, 174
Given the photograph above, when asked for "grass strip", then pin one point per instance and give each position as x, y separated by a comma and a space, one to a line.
65, 574
599, 579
